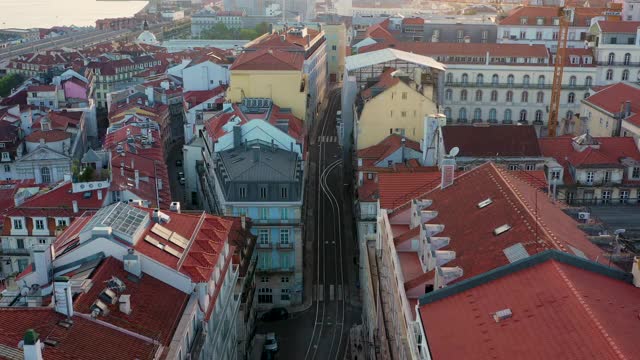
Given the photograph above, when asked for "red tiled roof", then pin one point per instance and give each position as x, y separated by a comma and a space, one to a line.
379, 32
633, 120
612, 98
85, 339
195, 98
398, 188
385, 81
413, 21
492, 141
619, 27
462, 49
560, 311
611, 151
156, 306
387, 147
291, 42
48, 136
41, 88
548, 13
269, 59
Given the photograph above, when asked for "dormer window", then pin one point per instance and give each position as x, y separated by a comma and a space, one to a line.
540, 21
17, 224
39, 224
574, 59
523, 20
556, 21
586, 59
635, 172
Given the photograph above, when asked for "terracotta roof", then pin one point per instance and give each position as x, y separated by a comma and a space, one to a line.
569, 309
387, 147
157, 307
461, 49
379, 32
396, 189
477, 249
291, 42
413, 21
619, 27
612, 98
609, 154
195, 98
85, 339
41, 88
385, 81
492, 141
268, 59
633, 120
48, 136
548, 13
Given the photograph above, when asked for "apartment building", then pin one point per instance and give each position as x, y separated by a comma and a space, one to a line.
41, 63
616, 47
602, 113
253, 165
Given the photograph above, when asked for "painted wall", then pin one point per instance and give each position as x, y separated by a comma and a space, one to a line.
204, 76
73, 90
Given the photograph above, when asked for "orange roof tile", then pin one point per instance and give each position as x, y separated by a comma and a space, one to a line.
268, 59
619, 27
612, 98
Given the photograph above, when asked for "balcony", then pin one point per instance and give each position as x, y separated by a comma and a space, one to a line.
267, 245
618, 63
512, 85
279, 269
285, 246
15, 252
198, 343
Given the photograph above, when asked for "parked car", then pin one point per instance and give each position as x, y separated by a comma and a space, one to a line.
182, 181
275, 314
270, 342
178, 162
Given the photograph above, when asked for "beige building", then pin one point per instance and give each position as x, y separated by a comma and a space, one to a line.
336, 35
602, 113
396, 104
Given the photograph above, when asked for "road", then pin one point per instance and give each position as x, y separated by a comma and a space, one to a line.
321, 331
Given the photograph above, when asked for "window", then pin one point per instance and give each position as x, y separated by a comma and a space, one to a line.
284, 192
5, 156
572, 81
625, 75
530, 167
588, 80
39, 224
17, 224
538, 115
607, 176
525, 97
477, 114
459, 35
495, 79
448, 94
509, 97
42, 241
465, 79
263, 192
586, 95
462, 114
609, 74
571, 98
479, 79
264, 213
624, 196
523, 20
284, 214
463, 95
507, 115
403, 114
627, 59
523, 34
540, 97
285, 294
538, 35
555, 175
494, 96
569, 114
606, 196
265, 296
541, 81
513, 167
510, 80
284, 236
590, 177
7, 168
242, 190
45, 173
492, 115
523, 115
447, 113
263, 236
611, 58
61, 222
334, 47
404, 96
635, 172
264, 279
449, 79
20, 243
525, 80
478, 95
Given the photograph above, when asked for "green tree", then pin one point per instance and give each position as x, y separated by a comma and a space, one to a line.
262, 28
9, 82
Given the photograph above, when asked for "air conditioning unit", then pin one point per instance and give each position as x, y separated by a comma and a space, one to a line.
583, 215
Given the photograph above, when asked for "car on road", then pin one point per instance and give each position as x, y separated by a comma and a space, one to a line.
271, 343
275, 314
180, 174
182, 181
178, 162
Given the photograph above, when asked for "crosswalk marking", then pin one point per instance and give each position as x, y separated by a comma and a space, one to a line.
328, 139
331, 293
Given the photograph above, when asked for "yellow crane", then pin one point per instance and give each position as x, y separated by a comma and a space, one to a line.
565, 17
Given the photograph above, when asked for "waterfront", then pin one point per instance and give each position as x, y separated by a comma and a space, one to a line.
48, 13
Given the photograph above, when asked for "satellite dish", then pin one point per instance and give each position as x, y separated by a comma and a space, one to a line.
454, 152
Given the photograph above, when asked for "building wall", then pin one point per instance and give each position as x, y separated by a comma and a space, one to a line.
315, 67
204, 76
546, 35
390, 112
336, 36
598, 122
73, 90
629, 129
283, 87
476, 33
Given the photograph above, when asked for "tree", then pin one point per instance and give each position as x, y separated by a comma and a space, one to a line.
9, 82
262, 28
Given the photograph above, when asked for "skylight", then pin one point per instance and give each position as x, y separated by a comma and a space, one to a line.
501, 229
484, 203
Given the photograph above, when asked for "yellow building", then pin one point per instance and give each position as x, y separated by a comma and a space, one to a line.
336, 35
273, 74
602, 112
394, 105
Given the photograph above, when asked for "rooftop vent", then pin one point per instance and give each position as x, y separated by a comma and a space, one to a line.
51, 342
484, 203
99, 308
65, 323
108, 296
501, 229
116, 284
502, 315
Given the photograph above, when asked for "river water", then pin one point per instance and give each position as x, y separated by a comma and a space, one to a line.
48, 13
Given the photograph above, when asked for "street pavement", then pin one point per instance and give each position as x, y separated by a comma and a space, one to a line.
332, 305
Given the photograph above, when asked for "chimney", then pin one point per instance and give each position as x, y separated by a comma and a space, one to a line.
273, 145
132, 163
137, 178
121, 168
125, 303
62, 296
402, 142
237, 136
448, 169
31, 345
99, 194
627, 108
175, 206
42, 264
74, 204
256, 153
635, 271
159, 184
132, 263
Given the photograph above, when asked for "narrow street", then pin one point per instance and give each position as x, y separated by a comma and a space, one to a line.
321, 331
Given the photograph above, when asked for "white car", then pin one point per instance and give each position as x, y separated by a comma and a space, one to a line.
270, 342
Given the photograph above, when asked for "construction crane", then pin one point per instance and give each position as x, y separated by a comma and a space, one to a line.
565, 18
